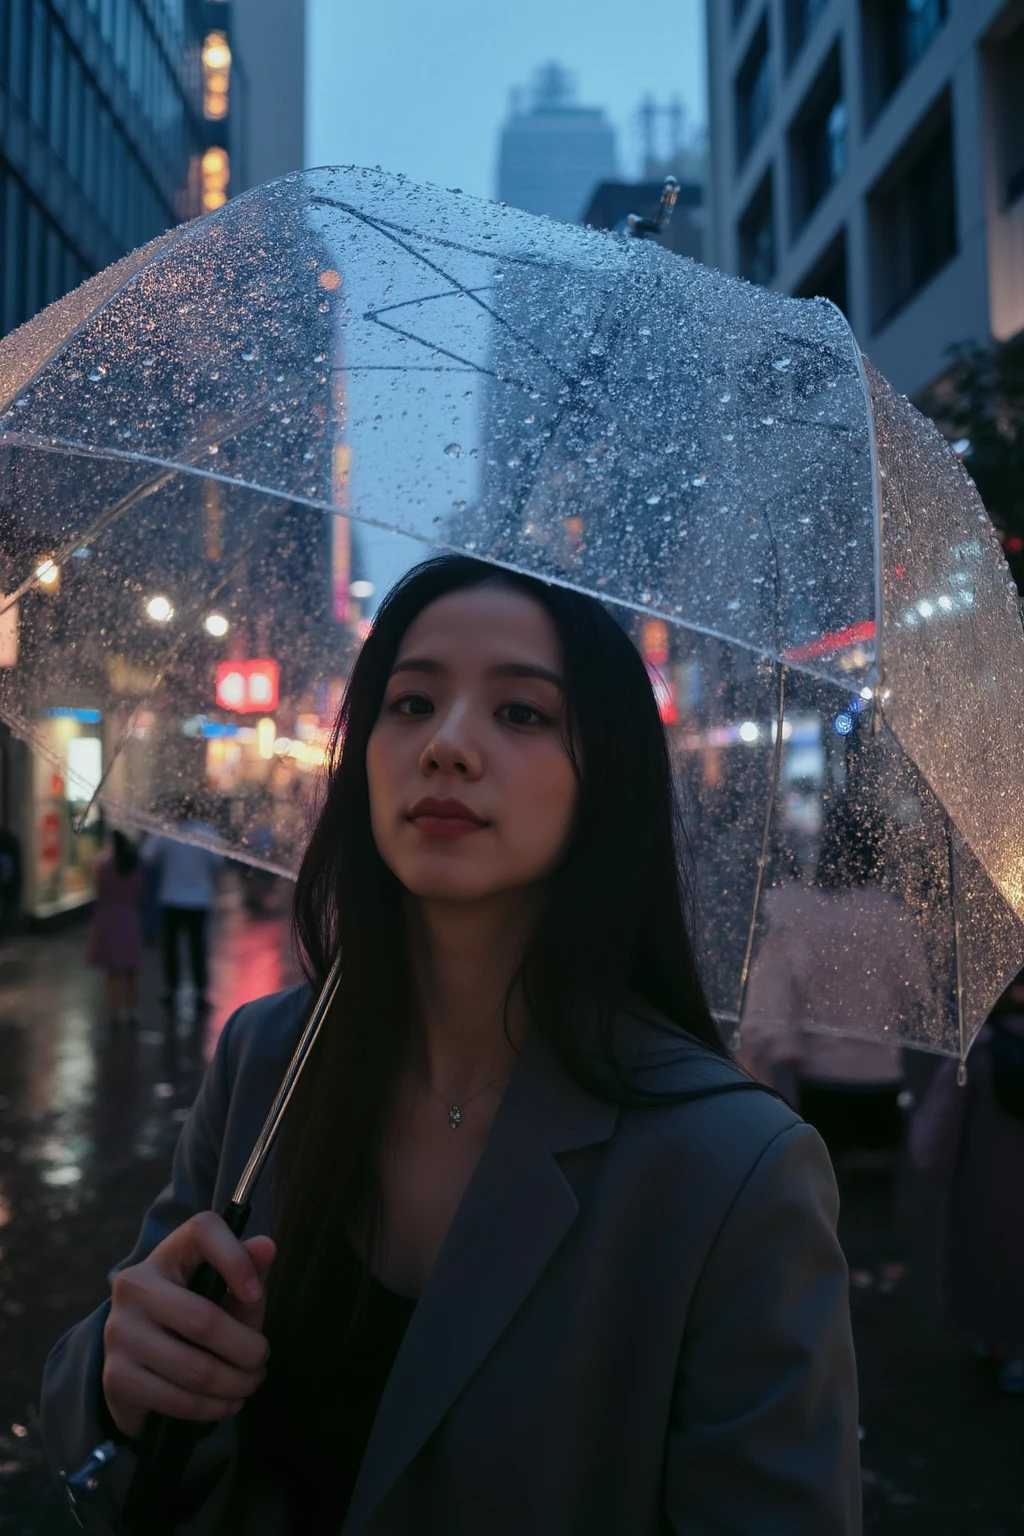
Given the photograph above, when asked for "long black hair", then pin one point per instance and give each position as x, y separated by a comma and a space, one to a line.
614, 921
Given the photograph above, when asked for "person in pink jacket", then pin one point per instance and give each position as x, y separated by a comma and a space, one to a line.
115, 943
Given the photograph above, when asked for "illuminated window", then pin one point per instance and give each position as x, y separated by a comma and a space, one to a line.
216, 76
216, 175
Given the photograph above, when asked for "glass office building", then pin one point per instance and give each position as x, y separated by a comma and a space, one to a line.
112, 113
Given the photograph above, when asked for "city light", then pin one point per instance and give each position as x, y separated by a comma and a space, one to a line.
749, 732
48, 574
216, 76
160, 610
216, 176
266, 735
361, 589
217, 625
247, 687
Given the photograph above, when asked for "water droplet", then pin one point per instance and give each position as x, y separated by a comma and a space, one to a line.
454, 450
781, 364
653, 499
458, 506
644, 330
147, 362
729, 437
320, 357
725, 398
513, 462
733, 607
247, 357
699, 480
767, 421
97, 373
530, 419
213, 448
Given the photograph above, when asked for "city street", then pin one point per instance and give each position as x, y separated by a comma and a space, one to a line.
88, 1120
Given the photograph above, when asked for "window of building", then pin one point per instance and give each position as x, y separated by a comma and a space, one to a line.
912, 215
738, 7
38, 93
801, 16
1005, 58
20, 22
753, 93
827, 278
817, 142
74, 117
756, 233
58, 94
895, 35
14, 245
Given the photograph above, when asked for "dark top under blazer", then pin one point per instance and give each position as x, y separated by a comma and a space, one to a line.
638, 1322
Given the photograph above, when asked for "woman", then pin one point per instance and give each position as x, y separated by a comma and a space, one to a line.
537, 1267
115, 943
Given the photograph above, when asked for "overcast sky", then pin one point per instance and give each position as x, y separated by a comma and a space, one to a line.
422, 86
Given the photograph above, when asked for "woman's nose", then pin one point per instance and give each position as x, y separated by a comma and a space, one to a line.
449, 750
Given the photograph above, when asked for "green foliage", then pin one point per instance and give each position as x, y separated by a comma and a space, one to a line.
981, 401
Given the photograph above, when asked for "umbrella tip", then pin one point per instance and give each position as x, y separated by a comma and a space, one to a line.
640, 227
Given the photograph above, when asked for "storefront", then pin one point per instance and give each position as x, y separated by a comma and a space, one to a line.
59, 859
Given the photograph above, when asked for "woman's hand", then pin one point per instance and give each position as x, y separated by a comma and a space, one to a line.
169, 1351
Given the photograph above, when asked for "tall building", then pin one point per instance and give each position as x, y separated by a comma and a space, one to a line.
872, 151
102, 134
268, 39
553, 153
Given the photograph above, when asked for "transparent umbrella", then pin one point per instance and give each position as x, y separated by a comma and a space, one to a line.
205, 447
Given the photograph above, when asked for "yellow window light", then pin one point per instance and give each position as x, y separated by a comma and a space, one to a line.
216, 168
216, 58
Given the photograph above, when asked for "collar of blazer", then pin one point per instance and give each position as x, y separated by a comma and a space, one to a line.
517, 1209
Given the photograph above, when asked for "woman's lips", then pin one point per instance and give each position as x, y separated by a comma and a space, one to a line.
446, 826
445, 818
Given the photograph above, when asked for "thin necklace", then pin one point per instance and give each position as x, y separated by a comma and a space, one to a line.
455, 1110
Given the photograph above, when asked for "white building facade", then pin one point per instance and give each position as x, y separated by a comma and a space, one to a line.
873, 151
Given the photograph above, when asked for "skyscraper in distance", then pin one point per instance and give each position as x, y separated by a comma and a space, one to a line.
553, 153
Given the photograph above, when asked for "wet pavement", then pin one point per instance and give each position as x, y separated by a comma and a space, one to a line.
88, 1119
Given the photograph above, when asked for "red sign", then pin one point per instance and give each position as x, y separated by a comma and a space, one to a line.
247, 687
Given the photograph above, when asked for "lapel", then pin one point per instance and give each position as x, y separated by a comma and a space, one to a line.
515, 1212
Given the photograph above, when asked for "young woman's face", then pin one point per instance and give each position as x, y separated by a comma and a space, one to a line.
472, 792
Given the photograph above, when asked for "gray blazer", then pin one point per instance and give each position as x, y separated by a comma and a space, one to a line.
637, 1324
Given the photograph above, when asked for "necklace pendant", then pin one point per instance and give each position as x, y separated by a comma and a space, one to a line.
454, 1117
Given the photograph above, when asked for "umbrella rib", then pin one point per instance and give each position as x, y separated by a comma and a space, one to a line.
460, 288
140, 493
434, 346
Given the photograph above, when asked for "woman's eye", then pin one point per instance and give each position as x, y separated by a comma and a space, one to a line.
411, 704
522, 714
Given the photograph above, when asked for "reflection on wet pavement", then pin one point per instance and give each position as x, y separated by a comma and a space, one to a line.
89, 1115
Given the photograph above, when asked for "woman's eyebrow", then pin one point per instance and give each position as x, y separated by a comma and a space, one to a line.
525, 669
501, 669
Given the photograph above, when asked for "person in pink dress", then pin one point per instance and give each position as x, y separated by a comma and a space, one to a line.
116, 940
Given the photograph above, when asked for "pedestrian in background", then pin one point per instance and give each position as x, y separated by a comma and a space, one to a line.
115, 943
10, 883
847, 1086
185, 894
972, 1139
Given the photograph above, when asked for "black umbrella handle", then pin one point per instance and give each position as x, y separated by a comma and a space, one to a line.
166, 1444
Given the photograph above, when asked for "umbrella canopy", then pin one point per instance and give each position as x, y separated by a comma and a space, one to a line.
197, 445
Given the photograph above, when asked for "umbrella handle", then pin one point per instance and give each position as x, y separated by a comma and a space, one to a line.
166, 1444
